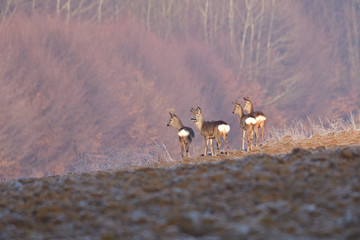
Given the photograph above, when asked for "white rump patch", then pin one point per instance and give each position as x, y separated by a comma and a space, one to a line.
260, 118
250, 120
183, 133
224, 128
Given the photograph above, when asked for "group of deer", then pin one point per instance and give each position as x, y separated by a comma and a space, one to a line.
249, 124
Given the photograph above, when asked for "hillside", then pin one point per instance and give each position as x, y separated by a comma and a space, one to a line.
100, 75
309, 193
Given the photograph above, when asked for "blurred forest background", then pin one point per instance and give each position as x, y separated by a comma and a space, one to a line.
104, 73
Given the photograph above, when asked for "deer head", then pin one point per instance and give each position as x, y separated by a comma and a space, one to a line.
248, 106
196, 114
194, 111
237, 108
173, 118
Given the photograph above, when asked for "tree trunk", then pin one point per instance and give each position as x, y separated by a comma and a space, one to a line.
258, 39
148, 15
252, 34
58, 7
68, 6
99, 10
33, 6
231, 16
268, 45
356, 41
204, 12
246, 26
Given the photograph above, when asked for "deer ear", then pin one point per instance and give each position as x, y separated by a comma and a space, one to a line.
198, 110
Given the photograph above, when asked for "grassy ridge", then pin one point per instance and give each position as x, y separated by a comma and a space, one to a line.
309, 134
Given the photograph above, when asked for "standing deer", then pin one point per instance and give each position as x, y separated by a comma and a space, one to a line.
247, 123
260, 119
211, 130
185, 134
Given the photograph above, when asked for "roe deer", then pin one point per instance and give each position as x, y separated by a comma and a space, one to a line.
260, 119
247, 123
211, 130
185, 134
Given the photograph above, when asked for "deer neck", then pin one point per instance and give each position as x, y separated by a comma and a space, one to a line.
199, 123
178, 125
251, 108
240, 113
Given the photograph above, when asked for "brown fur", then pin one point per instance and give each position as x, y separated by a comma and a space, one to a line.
249, 107
210, 131
245, 128
184, 140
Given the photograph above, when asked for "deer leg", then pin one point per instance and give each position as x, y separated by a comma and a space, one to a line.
262, 133
206, 146
250, 136
226, 143
211, 147
187, 149
182, 150
243, 140
256, 130
218, 144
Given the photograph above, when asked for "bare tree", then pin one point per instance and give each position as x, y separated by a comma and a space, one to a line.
249, 4
268, 45
7, 8
58, 4
258, 39
99, 9
166, 12
68, 8
33, 5
204, 10
352, 36
148, 14
231, 16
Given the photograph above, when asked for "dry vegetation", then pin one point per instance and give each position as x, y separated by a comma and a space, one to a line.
84, 97
310, 134
104, 73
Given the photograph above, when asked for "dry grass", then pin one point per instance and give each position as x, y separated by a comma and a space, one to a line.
156, 154
110, 159
302, 129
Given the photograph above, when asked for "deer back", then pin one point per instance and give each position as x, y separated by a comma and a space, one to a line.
210, 129
259, 116
186, 133
249, 107
247, 120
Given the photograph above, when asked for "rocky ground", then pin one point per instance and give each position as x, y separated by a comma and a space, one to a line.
307, 189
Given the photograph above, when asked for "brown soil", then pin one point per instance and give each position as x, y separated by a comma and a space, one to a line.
308, 189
